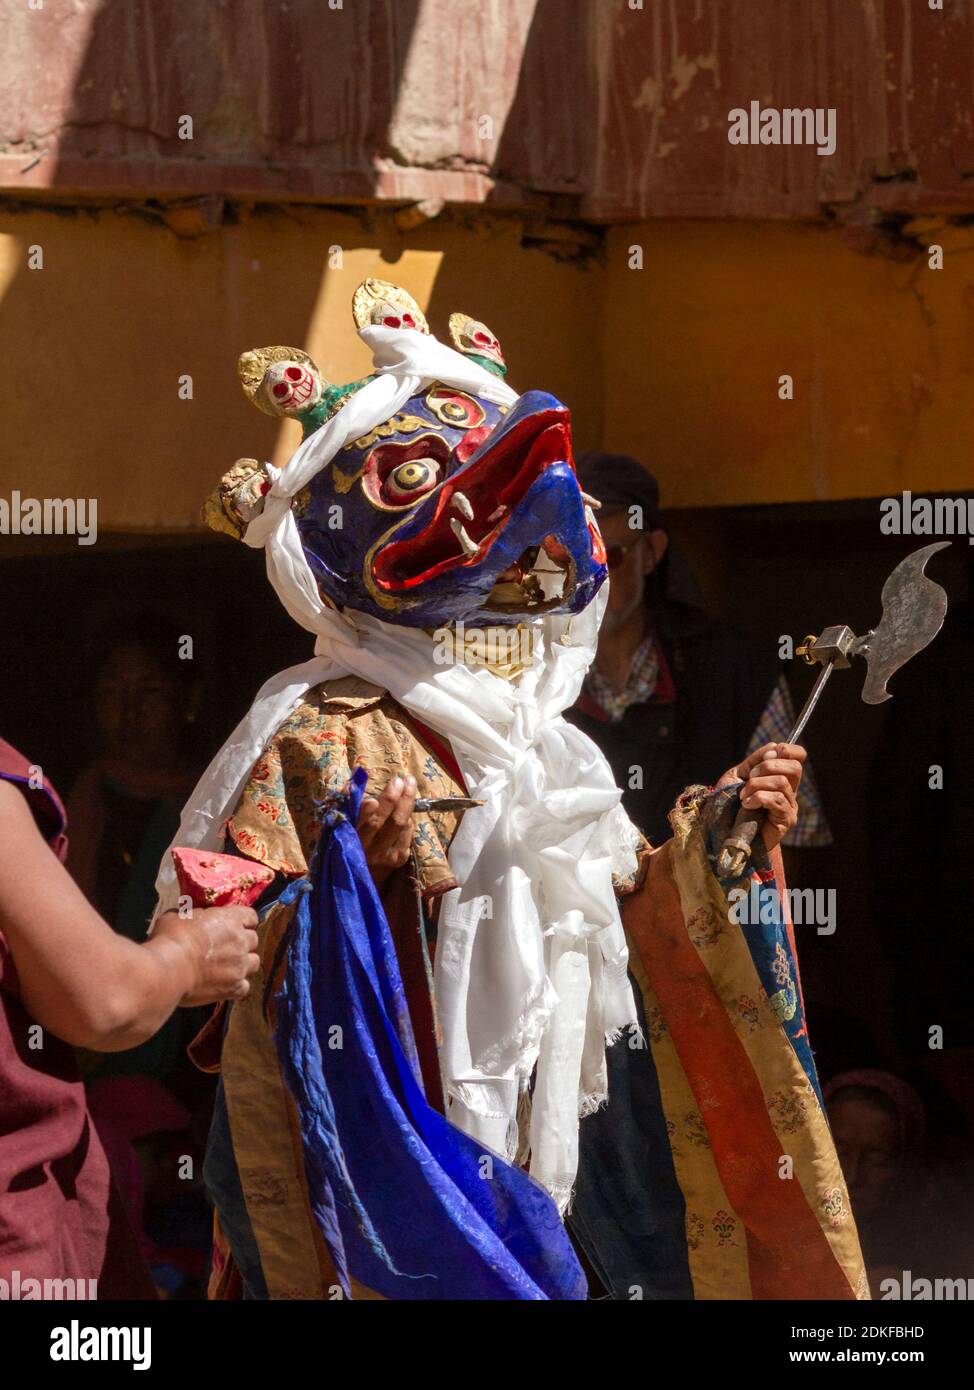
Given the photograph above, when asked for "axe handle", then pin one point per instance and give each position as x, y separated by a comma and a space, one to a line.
735, 852
736, 849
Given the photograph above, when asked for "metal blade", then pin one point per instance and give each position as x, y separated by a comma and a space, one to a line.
445, 803
913, 613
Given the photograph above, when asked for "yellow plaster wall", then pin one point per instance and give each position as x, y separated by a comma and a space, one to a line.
881, 352
677, 363
95, 342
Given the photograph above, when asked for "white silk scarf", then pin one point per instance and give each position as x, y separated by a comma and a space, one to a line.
531, 959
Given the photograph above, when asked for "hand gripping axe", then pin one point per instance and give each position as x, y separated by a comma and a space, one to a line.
913, 613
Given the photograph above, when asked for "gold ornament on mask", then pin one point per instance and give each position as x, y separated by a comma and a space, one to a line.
375, 300
397, 424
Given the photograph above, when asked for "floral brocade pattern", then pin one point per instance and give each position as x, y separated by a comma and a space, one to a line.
788, 1110
279, 816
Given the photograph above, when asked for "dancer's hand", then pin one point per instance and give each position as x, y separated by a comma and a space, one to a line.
771, 775
385, 827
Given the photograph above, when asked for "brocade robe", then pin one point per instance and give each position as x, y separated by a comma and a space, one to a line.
710, 1174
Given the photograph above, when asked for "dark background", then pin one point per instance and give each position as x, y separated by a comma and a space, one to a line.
767, 570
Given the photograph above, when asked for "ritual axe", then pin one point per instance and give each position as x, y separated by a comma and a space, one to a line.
913, 613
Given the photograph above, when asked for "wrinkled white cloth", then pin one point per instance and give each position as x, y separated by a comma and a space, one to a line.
531, 959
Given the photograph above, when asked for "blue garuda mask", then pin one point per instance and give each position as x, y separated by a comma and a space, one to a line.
462, 505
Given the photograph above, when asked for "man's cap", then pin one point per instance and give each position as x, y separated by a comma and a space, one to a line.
619, 481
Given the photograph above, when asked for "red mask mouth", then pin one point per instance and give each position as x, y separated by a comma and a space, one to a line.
472, 508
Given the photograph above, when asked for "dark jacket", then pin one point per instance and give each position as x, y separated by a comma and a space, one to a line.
719, 683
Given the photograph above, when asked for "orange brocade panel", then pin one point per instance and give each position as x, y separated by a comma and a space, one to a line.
801, 1240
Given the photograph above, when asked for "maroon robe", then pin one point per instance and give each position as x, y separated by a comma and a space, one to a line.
60, 1216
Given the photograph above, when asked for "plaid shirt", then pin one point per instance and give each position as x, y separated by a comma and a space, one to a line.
773, 727
639, 686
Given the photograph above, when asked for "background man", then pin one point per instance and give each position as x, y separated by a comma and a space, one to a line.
672, 694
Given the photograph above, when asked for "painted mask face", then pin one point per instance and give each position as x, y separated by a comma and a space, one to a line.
385, 315
289, 388
453, 510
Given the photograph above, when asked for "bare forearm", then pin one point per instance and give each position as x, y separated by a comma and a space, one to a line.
78, 978
117, 997
153, 980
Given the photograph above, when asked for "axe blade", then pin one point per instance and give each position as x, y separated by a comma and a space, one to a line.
914, 607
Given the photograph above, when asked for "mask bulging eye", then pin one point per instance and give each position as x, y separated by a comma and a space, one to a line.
410, 478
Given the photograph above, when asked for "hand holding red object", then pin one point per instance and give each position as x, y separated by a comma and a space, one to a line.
224, 888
